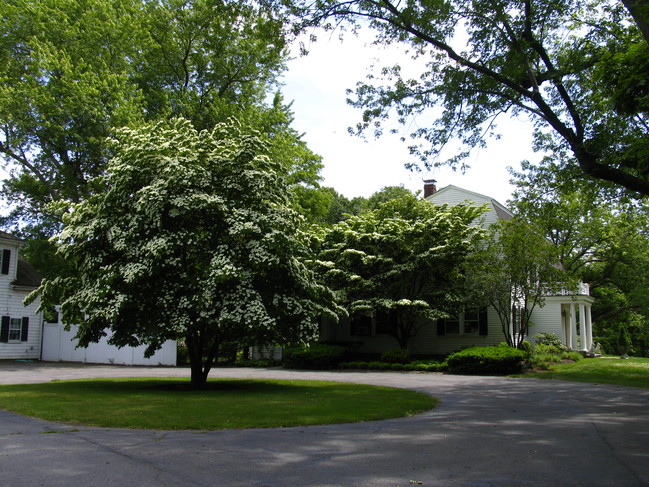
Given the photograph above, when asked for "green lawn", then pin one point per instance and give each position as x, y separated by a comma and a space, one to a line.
630, 372
170, 403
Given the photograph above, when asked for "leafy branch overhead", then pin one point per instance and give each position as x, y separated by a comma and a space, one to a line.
576, 68
73, 72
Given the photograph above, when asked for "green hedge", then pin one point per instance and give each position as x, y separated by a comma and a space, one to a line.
416, 366
487, 361
396, 356
316, 356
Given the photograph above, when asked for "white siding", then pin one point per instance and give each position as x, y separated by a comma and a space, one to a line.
11, 304
452, 195
428, 342
547, 319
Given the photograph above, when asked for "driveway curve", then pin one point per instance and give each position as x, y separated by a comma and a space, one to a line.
486, 431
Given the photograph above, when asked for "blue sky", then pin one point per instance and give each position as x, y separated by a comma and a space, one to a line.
354, 167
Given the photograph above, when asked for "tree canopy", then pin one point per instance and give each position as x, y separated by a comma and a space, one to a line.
576, 68
513, 272
192, 239
600, 241
72, 72
404, 259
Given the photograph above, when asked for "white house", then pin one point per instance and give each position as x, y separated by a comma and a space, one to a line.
24, 334
20, 326
566, 314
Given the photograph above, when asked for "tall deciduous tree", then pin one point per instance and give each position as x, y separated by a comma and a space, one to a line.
548, 60
405, 259
602, 242
191, 239
72, 71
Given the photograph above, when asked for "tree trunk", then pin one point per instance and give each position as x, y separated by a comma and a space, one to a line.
196, 364
200, 370
639, 10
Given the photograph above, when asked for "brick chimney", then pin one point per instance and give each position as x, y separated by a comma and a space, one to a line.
429, 187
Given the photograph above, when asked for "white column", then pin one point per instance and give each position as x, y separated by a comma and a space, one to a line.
589, 327
583, 346
573, 327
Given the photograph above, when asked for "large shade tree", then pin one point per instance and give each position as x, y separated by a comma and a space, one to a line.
404, 260
189, 238
71, 72
604, 243
576, 68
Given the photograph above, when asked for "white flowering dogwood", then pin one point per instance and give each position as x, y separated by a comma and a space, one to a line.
405, 259
191, 239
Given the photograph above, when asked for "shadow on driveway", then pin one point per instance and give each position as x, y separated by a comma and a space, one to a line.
486, 431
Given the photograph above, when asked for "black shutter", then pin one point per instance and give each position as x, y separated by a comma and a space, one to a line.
483, 322
441, 326
6, 259
25, 331
4, 330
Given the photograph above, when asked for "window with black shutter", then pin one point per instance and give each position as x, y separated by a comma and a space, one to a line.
470, 322
6, 260
14, 330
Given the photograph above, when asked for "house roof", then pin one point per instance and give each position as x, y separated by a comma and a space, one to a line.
27, 276
501, 210
8, 236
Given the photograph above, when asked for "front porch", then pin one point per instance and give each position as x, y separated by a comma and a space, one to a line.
567, 314
576, 323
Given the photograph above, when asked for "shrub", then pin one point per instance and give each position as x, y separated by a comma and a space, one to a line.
256, 363
526, 347
544, 355
316, 356
543, 349
575, 356
548, 339
486, 360
396, 356
417, 365
354, 365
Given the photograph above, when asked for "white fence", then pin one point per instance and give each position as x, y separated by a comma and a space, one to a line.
60, 346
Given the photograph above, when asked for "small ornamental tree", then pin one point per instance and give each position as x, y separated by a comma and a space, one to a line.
516, 268
191, 239
404, 260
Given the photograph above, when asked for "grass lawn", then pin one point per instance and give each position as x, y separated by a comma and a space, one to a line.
170, 403
630, 372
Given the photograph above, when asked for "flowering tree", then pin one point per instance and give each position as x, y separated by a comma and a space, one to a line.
191, 238
405, 259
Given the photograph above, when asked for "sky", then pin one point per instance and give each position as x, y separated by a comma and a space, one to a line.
316, 85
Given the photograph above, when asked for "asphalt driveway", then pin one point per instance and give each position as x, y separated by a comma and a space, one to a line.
486, 431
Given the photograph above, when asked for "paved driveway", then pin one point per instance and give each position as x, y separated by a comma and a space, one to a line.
487, 431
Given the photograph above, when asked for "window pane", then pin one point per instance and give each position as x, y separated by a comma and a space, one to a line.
361, 326
470, 326
471, 321
15, 327
452, 327
386, 321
